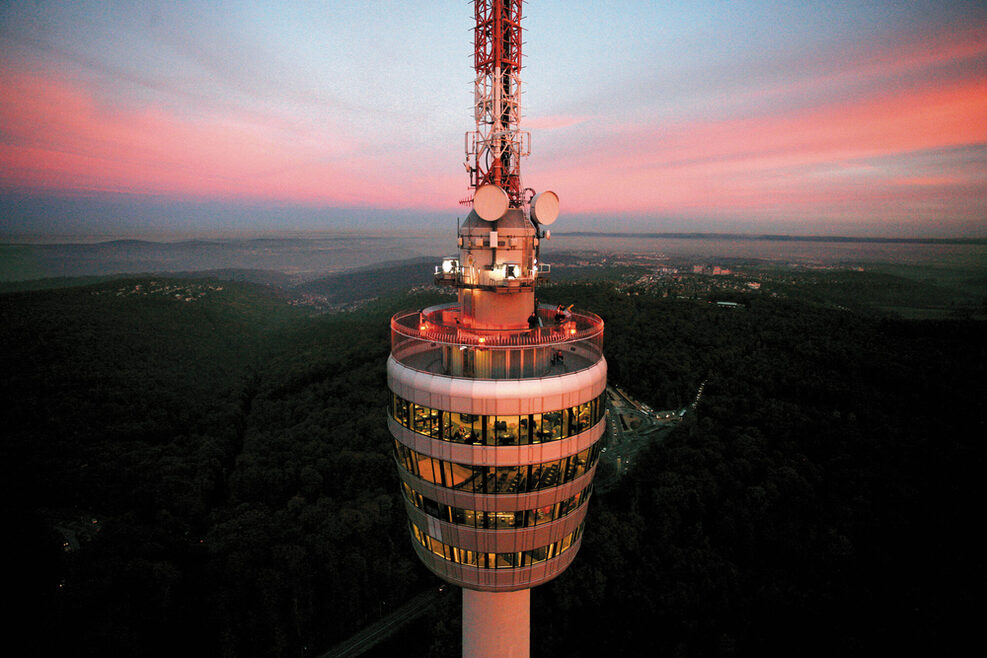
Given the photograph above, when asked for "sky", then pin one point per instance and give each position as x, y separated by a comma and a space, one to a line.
808, 118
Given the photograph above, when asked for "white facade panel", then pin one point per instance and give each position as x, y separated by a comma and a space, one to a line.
497, 396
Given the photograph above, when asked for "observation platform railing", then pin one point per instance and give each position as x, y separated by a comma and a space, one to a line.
435, 340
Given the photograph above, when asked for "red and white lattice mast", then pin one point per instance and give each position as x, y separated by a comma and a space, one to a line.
497, 406
494, 150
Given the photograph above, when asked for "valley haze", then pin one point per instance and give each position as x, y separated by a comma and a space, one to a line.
301, 256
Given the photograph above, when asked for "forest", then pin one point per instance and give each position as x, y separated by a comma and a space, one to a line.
197, 467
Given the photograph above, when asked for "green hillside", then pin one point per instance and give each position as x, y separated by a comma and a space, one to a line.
196, 467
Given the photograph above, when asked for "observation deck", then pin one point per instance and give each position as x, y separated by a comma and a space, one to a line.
434, 340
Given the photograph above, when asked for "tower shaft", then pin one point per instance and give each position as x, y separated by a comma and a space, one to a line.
496, 624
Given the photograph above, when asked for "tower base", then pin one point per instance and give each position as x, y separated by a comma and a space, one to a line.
496, 624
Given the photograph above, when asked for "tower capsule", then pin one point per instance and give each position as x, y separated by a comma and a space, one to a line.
497, 402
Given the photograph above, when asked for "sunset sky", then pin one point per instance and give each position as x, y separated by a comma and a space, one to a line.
171, 118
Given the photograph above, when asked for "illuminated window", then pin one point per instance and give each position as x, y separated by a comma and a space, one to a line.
496, 479
514, 560
496, 430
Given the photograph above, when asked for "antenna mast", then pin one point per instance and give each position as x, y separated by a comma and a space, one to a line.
495, 148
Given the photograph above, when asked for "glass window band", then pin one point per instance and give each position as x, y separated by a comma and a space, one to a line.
513, 479
478, 429
483, 520
516, 560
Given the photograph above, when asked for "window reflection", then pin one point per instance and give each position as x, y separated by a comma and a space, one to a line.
462, 428
495, 560
506, 430
496, 430
481, 520
524, 478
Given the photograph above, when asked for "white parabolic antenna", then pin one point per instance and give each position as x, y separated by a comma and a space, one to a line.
545, 207
490, 202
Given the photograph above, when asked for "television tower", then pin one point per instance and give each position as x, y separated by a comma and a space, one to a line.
497, 403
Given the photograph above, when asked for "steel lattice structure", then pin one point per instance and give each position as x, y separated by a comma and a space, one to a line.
495, 148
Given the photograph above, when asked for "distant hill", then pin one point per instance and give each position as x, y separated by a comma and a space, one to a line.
55, 282
771, 237
262, 277
369, 282
356, 284
195, 467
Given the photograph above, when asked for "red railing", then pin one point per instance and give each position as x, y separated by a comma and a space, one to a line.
438, 324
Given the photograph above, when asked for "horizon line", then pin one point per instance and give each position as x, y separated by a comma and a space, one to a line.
776, 237
38, 240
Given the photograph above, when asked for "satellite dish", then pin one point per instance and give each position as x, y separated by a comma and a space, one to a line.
545, 207
490, 202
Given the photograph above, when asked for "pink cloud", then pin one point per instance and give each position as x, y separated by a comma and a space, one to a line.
553, 122
891, 60
853, 157
864, 153
58, 137
794, 160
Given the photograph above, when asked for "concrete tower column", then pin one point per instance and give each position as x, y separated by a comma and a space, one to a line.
496, 624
